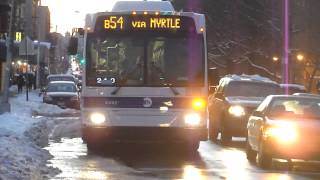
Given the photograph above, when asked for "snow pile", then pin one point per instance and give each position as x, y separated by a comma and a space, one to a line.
20, 158
37, 107
22, 138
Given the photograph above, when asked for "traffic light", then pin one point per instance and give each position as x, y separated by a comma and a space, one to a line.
82, 61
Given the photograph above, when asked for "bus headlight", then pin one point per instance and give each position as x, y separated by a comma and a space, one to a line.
192, 119
284, 134
236, 110
97, 118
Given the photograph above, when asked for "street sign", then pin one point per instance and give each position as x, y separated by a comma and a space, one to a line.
18, 37
26, 47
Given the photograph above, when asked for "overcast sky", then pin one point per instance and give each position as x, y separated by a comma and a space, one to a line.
66, 14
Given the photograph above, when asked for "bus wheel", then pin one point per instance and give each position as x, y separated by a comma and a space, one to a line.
94, 147
192, 147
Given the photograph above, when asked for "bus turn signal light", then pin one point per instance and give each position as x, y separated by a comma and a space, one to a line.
199, 104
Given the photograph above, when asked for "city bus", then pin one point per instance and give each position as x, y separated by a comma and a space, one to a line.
145, 76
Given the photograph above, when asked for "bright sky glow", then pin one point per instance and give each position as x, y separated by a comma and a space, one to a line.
66, 14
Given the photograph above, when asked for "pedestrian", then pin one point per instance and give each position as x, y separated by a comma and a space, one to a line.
30, 80
34, 82
20, 82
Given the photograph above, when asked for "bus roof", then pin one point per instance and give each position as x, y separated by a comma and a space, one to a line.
142, 6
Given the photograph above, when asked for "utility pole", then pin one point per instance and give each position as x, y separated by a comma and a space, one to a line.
38, 49
5, 99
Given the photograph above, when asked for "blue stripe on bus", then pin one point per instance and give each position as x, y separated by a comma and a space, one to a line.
137, 102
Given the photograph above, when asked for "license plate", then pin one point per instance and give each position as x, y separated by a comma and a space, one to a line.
60, 103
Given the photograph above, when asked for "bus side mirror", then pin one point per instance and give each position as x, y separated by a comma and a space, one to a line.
73, 46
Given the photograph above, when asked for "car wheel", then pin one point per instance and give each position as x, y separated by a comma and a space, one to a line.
264, 159
226, 137
213, 130
251, 154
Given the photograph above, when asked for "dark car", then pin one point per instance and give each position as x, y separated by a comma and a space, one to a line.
284, 127
65, 94
293, 88
233, 101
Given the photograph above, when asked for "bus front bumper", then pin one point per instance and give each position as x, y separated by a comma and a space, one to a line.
143, 134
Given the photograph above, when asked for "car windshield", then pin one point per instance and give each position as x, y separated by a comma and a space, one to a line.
154, 61
60, 78
61, 87
251, 89
300, 107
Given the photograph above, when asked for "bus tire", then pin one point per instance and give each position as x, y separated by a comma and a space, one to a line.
93, 147
192, 147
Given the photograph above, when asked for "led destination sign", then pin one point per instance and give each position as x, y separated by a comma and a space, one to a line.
116, 22
129, 23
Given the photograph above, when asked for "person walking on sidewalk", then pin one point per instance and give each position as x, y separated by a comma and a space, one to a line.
20, 82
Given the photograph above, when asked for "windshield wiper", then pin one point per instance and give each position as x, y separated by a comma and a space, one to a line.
115, 91
174, 90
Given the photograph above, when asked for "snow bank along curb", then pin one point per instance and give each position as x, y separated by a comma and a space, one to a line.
22, 138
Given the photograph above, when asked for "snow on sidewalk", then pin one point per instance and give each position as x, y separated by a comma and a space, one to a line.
21, 154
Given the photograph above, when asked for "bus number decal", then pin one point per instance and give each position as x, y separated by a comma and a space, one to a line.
99, 80
113, 22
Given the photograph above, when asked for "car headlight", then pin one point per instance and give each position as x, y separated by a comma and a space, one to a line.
236, 110
48, 98
192, 119
97, 118
285, 134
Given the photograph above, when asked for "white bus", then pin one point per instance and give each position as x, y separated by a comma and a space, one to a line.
145, 78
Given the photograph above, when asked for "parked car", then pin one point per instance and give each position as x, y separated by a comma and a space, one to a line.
293, 88
65, 94
61, 77
307, 94
235, 98
284, 127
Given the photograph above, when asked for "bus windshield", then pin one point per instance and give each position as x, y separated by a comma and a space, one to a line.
129, 60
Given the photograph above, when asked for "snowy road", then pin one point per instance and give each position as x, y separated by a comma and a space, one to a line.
139, 162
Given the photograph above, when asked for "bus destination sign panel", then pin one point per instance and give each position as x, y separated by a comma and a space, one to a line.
127, 23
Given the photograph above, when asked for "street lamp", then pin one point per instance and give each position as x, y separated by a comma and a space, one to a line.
275, 59
300, 57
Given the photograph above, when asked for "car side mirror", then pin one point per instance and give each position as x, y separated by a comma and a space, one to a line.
219, 95
44, 89
257, 113
212, 89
